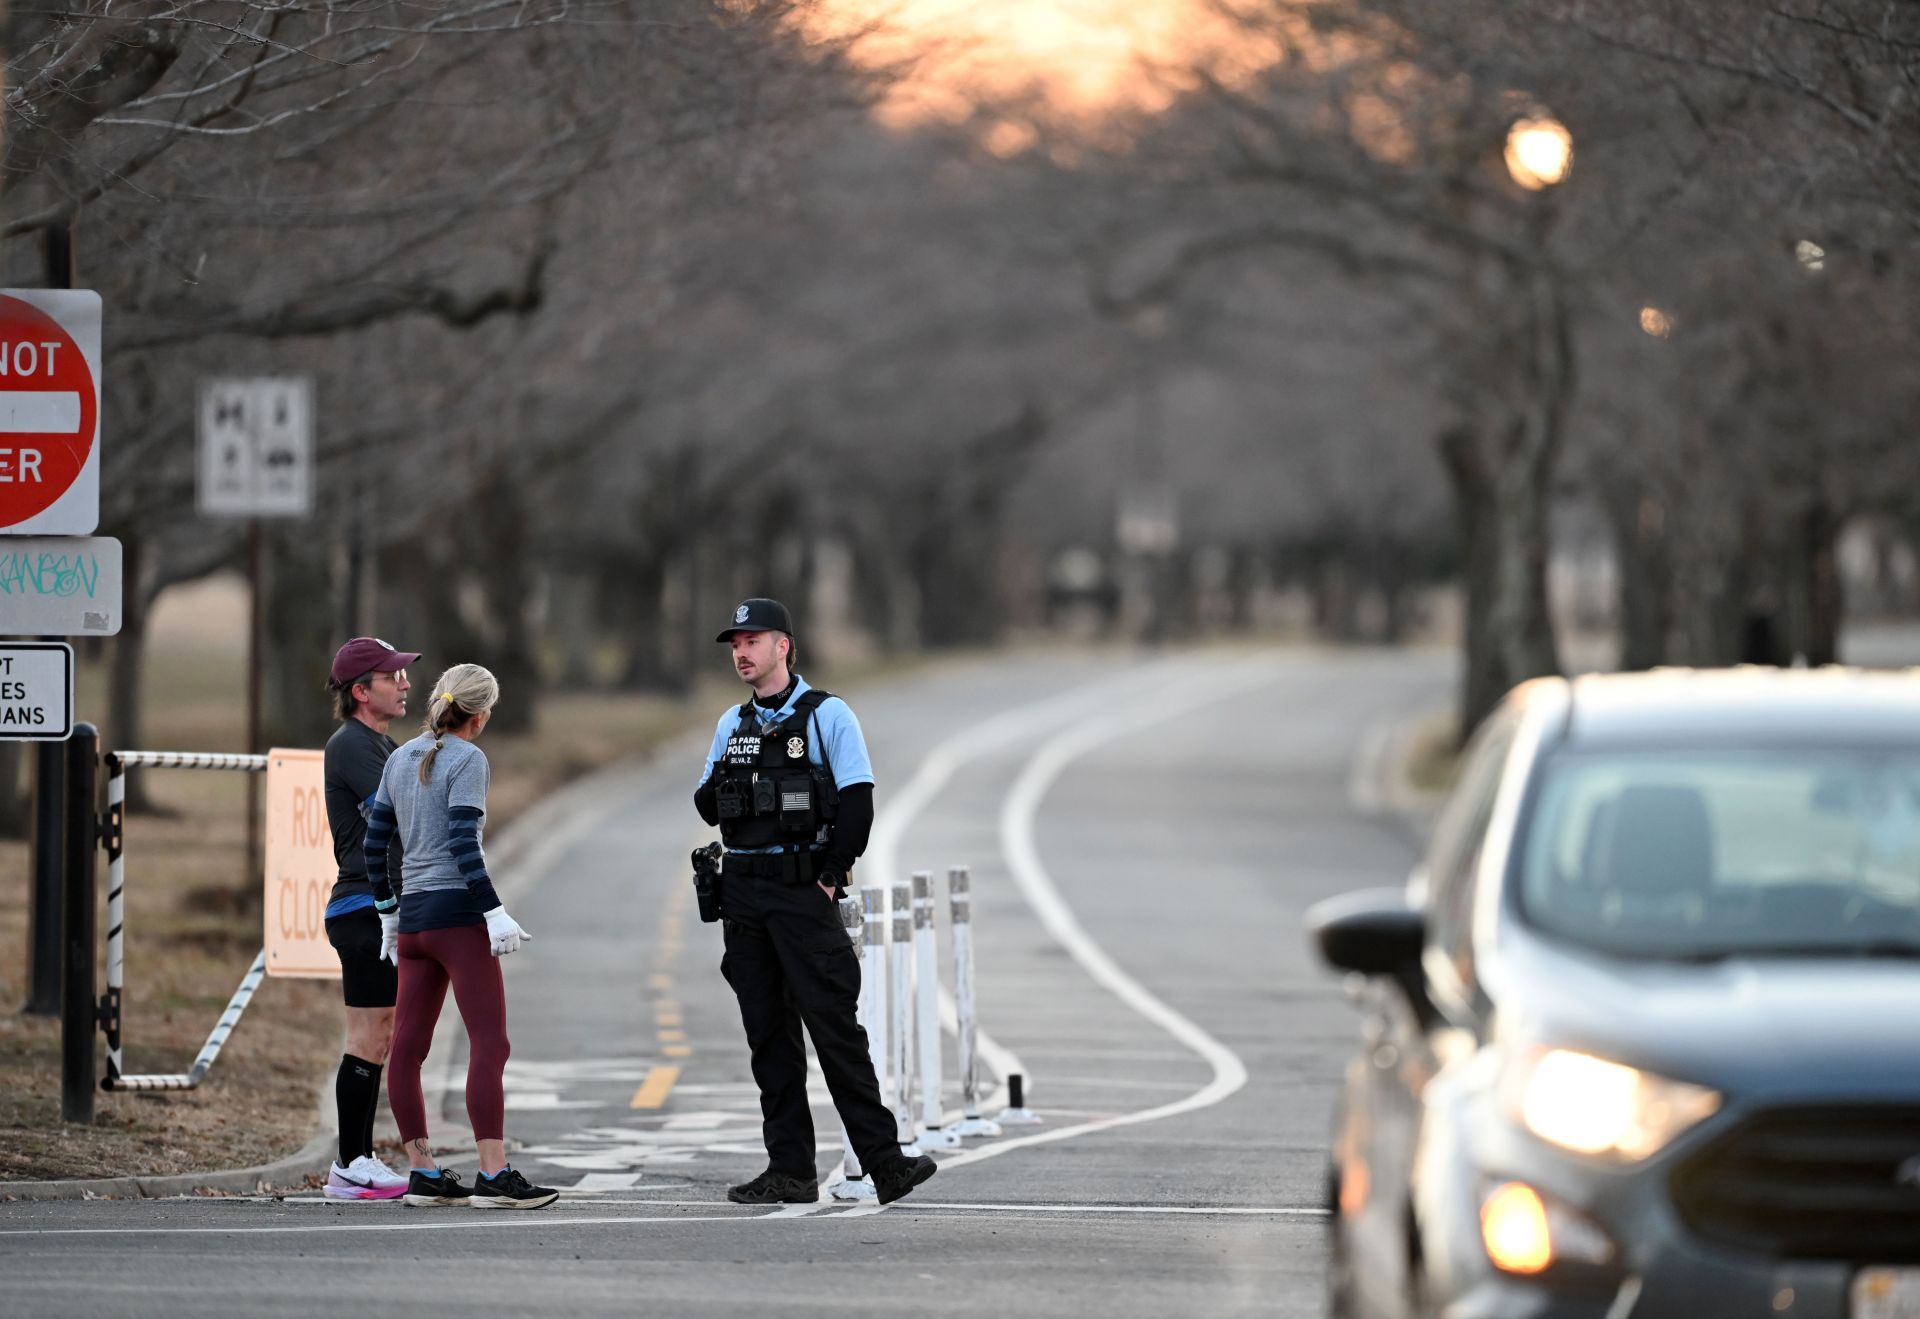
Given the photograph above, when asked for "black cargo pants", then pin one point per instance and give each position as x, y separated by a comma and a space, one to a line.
790, 964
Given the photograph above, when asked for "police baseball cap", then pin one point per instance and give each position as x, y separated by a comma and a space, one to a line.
367, 655
759, 615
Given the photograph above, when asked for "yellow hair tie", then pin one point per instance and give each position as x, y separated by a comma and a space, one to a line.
447, 697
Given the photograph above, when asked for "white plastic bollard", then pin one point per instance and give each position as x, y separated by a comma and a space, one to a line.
873, 986
854, 1184
926, 965
900, 1037
960, 904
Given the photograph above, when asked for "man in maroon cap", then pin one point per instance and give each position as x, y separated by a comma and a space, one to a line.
369, 685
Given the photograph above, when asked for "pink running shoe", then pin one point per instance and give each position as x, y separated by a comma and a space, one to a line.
366, 1178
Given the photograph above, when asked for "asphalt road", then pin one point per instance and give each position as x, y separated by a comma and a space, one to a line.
1143, 834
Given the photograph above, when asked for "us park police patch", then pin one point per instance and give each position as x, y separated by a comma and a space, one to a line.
796, 748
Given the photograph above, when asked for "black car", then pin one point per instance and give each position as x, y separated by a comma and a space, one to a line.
1642, 1034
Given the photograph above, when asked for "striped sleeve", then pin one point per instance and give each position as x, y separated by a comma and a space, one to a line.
463, 842
380, 827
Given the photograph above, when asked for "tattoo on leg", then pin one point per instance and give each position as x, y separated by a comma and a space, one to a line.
419, 1146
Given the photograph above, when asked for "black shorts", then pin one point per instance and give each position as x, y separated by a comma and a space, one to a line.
367, 980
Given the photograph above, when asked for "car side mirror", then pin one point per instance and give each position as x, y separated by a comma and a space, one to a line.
1374, 931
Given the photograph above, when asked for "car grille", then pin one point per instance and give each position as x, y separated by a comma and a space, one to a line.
1811, 1183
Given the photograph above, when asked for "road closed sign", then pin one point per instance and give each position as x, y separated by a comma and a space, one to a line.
49, 412
300, 868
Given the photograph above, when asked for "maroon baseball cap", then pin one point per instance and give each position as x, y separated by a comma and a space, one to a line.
367, 655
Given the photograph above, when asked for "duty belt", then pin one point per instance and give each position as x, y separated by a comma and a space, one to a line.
793, 867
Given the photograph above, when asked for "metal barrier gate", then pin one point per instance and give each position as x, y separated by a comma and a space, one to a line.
114, 839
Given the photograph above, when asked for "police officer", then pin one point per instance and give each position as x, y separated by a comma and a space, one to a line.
788, 781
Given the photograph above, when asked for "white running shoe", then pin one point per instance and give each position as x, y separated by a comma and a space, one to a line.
366, 1178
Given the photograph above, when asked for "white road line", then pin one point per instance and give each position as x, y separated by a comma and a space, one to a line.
1248, 1211
495, 1222
1023, 858
937, 769
615, 1220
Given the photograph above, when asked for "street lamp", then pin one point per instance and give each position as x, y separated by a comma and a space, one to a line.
1539, 152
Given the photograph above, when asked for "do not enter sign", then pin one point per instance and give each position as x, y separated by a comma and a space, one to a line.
49, 411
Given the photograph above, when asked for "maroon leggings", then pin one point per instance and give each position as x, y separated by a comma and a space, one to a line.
428, 961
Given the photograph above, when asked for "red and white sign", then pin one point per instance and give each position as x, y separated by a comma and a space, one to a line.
49, 412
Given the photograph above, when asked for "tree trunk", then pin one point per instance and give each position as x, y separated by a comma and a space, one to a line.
1504, 529
1645, 574
419, 609
126, 698
1502, 478
297, 638
498, 548
640, 605
1811, 586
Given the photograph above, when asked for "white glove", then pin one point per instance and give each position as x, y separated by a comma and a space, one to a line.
390, 937
503, 932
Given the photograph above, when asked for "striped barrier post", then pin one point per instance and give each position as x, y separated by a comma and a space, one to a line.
926, 960
114, 839
900, 1035
960, 904
853, 1184
873, 986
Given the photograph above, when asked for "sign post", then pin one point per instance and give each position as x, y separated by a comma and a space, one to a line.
49, 486
255, 461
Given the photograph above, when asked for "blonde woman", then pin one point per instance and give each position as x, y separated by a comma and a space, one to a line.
448, 928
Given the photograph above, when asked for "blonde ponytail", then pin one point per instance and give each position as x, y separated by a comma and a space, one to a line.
463, 693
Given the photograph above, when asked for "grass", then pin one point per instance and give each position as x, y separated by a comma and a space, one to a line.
193, 920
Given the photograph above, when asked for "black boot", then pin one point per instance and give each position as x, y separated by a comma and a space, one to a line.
772, 1188
899, 1177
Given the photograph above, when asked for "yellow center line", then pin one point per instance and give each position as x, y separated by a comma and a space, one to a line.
654, 1090
661, 980
668, 1017
676, 1051
676, 1036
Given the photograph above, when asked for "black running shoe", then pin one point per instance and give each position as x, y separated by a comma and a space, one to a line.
772, 1188
896, 1179
430, 1192
507, 1189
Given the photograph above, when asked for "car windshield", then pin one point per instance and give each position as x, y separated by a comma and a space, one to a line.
1707, 854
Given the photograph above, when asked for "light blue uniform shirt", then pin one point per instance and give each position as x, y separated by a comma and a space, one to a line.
835, 731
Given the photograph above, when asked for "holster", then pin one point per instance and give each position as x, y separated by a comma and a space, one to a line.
708, 887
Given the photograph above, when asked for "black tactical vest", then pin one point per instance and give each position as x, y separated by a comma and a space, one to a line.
767, 787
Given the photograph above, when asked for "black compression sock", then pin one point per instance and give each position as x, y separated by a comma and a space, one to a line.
356, 1091
373, 1106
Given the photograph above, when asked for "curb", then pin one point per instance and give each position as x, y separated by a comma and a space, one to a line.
314, 1157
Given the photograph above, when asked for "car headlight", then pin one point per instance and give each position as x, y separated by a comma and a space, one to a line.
1593, 1106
